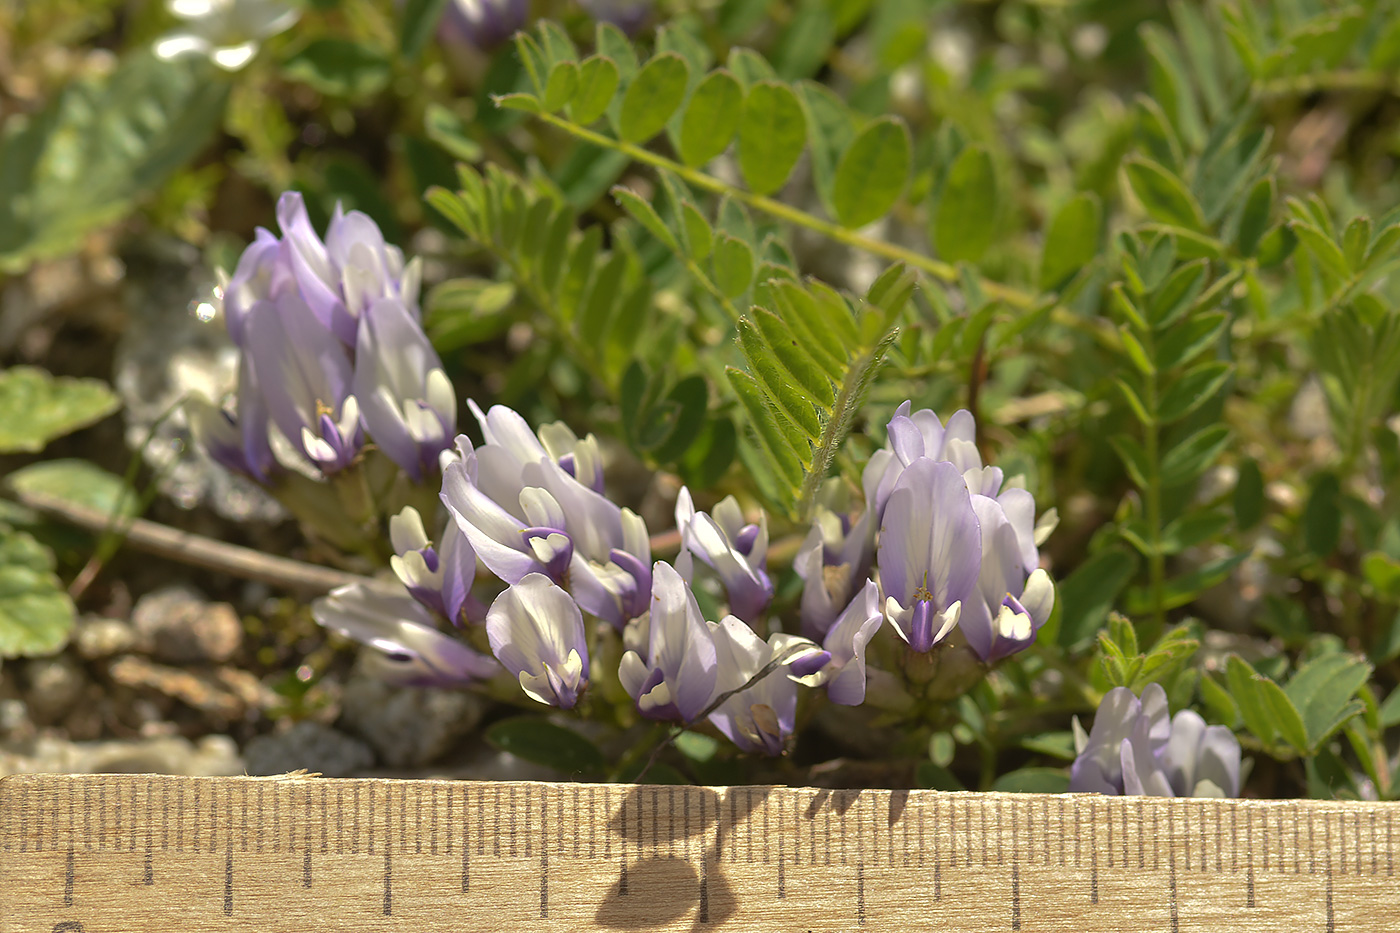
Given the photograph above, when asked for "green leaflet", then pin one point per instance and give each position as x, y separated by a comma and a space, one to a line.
772, 134
1071, 241
711, 118
652, 96
36, 407
872, 173
965, 220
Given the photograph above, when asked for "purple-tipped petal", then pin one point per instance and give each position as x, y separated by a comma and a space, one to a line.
537, 632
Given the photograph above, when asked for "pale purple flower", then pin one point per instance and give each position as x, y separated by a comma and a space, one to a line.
735, 549
406, 400
763, 717
930, 550
440, 577
408, 649
259, 275
1135, 749
671, 673
525, 513
578, 457
835, 556
341, 277
238, 441
537, 632
515, 529
843, 674
304, 374
483, 23
920, 434
1010, 607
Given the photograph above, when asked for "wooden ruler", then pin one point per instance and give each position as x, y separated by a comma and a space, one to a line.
121, 852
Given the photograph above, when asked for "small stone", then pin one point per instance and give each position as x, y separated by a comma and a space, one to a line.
54, 686
311, 746
226, 694
213, 756
408, 726
98, 637
183, 628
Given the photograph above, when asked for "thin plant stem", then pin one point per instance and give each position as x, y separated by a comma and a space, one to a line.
942, 271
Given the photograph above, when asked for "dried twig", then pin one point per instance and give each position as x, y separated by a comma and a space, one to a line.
196, 550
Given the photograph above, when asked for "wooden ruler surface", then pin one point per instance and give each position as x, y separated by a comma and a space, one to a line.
90, 853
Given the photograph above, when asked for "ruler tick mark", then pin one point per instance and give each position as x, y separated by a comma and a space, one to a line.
1015, 897
937, 879
1171, 894
68, 880
306, 869
781, 870
1249, 890
1331, 919
1141, 824
860, 894
388, 881
705, 887
228, 881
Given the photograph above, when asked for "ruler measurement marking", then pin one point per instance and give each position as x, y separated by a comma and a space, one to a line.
1141, 820
496, 835
148, 875
388, 879
1297, 848
1249, 858
544, 854
797, 836
1014, 840
781, 858
837, 800
860, 894
1171, 889
622, 848
355, 818
1015, 896
370, 820
1078, 831
526, 810
433, 837
559, 821
481, 817
1331, 919
1264, 831
655, 823
1234, 841
120, 815
982, 813
1375, 844
1108, 825
671, 825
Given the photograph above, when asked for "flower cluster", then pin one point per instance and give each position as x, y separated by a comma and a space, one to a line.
955, 543
333, 354
334, 358
1134, 748
956, 548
